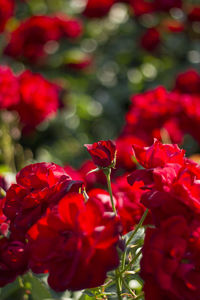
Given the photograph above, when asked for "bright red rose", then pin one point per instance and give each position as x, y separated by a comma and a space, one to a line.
125, 151
38, 186
103, 153
6, 11
153, 112
9, 88
188, 82
39, 99
158, 155
76, 243
97, 9
150, 39
13, 260
166, 266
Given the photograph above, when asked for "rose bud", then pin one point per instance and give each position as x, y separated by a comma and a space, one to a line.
103, 153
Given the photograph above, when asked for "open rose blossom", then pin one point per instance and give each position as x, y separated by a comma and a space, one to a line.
76, 243
38, 186
39, 99
168, 266
9, 88
103, 153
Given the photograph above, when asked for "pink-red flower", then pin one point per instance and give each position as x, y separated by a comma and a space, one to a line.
188, 82
103, 153
76, 243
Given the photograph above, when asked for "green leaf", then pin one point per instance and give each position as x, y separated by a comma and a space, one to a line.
38, 289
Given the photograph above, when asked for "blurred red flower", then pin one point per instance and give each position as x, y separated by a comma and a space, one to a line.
97, 9
9, 88
6, 11
150, 39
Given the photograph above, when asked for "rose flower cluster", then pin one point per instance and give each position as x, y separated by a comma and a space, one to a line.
165, 115
29, 94
170, 262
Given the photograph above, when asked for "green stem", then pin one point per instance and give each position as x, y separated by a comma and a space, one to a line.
128, 288
137, 227
107, 172
118, 284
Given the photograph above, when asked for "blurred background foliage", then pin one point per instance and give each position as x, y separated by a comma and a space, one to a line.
96, 97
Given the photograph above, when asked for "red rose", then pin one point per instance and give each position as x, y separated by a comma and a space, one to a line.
9, 88
103, 153
76, 243
158, 155
194, 14
70, 28
142, 7
167, 266
39, 99
188, 82
6, 11
29, 39
38, 187
166, 5
97, 9
13, 260
150, 40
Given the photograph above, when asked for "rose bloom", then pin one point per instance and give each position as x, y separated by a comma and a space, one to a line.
9, 88
167, 265
194, 14
39, 99
97, 9
142, 7
188, 82
38, 186
75, 243
6, 12
28, 40
150, 40
13, 260
166, 5
103, 153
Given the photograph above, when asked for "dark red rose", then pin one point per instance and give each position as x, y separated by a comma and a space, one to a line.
13, 260
188, 82
97, 9
166, 5
39, 99
38, 187
167, 266
30, 37
103, 153
6, 11
142, 7
158, 154
9, 88
194, 14
150, 39
76, 243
